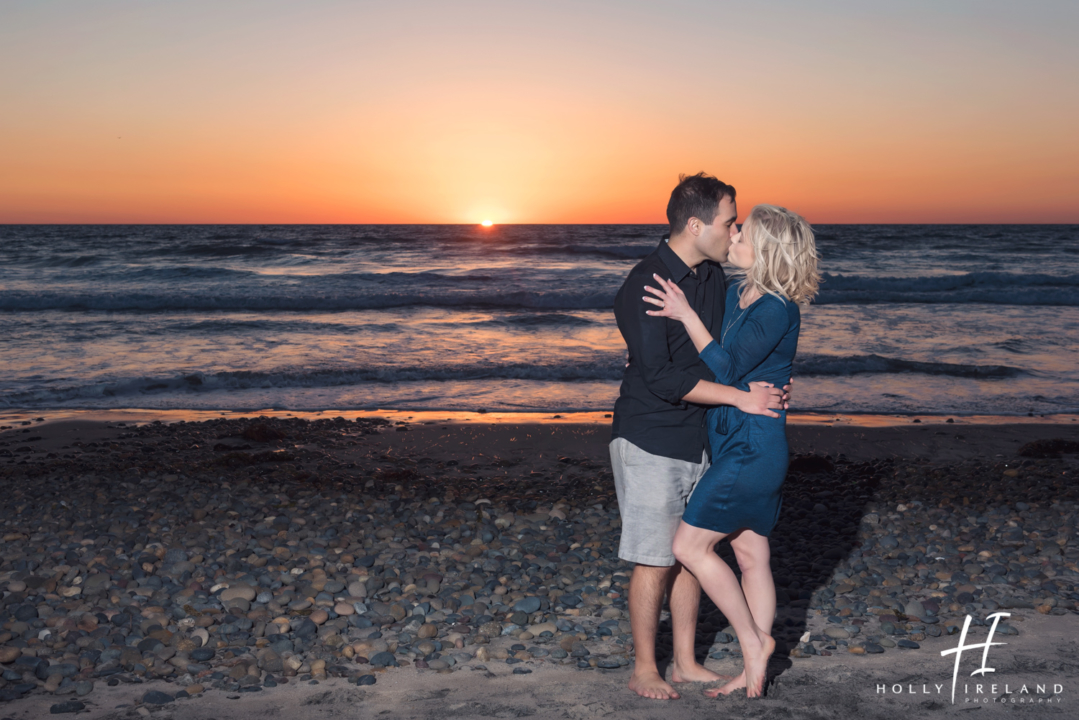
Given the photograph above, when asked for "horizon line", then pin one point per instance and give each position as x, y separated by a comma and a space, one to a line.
494, 225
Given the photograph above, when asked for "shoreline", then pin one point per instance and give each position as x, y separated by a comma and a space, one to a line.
145, 415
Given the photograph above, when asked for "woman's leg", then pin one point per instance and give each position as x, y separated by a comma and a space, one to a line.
693, 547
754, 559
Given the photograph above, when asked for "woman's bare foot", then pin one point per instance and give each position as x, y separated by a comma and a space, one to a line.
650, 684
753, 676
756, 665
736, 684
695, 673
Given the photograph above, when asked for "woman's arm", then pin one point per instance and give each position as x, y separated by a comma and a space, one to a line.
759, 336
675, 306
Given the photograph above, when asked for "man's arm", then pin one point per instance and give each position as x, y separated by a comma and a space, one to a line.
761, 399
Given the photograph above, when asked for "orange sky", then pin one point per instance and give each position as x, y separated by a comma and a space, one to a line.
355, 112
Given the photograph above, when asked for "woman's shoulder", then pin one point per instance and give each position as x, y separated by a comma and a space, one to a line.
777, 309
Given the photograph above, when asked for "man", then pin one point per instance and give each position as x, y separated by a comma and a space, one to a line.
660, 447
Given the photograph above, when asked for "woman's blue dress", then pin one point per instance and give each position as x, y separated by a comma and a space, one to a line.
742, 488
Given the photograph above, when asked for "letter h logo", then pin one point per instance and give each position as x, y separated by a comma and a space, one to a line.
985, 653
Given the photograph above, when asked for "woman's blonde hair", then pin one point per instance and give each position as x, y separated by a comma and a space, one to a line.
784, 254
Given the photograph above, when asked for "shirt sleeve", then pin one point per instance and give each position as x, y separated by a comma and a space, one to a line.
649, 346
759, 335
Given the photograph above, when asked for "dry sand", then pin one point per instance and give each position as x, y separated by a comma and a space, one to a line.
917, 685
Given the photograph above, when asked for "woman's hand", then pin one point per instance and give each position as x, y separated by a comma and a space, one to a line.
671, 301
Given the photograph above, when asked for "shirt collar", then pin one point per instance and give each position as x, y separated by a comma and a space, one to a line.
679, 269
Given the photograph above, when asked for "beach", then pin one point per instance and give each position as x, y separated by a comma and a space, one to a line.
467, 566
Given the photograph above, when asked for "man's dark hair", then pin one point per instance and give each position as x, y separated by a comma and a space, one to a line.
696, 196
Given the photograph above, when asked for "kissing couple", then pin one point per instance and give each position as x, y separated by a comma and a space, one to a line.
699, 448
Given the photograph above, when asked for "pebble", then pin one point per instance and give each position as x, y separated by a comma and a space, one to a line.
156, 697
238, 592
527, 605
70, 706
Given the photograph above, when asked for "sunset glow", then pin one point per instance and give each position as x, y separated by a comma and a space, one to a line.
552, 113
487, 223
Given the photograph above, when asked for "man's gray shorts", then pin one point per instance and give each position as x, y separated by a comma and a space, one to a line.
652, 494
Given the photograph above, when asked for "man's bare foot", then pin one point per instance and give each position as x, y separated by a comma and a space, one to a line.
651, 685
695, 673
736, 684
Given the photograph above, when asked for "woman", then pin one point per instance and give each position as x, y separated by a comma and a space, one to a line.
739, 497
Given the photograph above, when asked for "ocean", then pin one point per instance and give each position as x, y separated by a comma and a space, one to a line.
911, 319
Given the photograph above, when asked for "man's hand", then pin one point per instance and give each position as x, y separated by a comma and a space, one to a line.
761, 399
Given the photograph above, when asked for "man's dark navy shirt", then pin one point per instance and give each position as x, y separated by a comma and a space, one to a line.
663, 363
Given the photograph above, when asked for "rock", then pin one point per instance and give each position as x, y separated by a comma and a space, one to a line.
9, 654
427, 630
873, 648
319, 616
156, 697
70, 706
237, 592
914, 608
836, 633
344, 608
357, 589
95, 584
527, 605
366, 680
383, 659
270, 661
203, 654
25, 613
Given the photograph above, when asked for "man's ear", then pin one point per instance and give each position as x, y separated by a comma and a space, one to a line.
694, 225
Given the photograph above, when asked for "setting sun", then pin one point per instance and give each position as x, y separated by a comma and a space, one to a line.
487, 223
